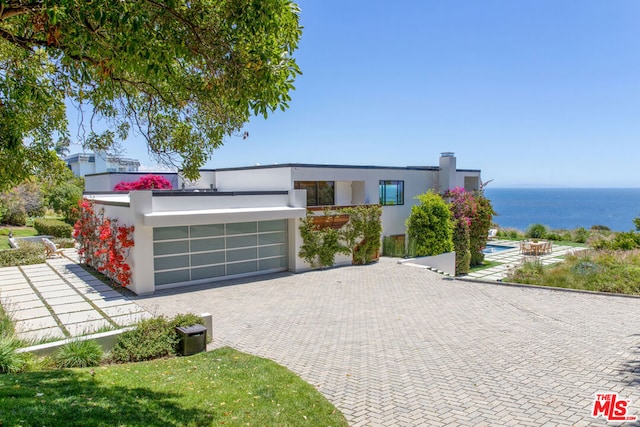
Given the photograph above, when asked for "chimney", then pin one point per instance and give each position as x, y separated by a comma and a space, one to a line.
447, 171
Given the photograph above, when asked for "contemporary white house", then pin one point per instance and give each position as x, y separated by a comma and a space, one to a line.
82, 164
238, 222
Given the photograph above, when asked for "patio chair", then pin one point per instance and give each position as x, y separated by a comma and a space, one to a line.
492, 234
51, 248
526, 248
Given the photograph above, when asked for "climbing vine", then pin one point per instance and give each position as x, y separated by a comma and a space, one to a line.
359, 237
362, 232
104, 245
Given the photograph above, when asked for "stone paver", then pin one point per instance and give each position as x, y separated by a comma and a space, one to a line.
512, 258
59, 299
394, 345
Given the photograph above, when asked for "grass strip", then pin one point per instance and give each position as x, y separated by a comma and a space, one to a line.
222, 387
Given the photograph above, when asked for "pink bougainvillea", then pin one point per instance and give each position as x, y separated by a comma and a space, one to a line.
476, 211
146, 182
103, 244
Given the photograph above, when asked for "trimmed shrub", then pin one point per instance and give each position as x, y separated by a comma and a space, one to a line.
78, 354
53, 227
152, 339
186, 319
28, 253
430, 226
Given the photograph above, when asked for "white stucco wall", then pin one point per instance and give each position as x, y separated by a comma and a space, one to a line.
107, 181
267, 179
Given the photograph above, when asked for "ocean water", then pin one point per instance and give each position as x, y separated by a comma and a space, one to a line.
565, 208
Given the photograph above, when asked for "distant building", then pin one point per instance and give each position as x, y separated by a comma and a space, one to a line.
82, 164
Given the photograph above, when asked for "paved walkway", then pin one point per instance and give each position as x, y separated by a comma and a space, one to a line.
392, 345
511, 258
59, 299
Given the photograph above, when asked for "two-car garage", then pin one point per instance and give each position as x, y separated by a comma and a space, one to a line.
201, 253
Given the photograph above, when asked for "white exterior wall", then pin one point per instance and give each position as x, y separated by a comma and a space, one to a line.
107, 181
195, 209
267, 179
343, 193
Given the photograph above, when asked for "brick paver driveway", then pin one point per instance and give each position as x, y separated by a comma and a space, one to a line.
398, 345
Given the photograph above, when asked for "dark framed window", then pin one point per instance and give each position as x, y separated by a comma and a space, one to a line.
319, 193
391, 193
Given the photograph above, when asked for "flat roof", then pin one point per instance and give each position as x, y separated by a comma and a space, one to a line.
326, 166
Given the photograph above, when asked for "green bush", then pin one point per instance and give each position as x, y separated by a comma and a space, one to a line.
580, 235
64, 242
152, 339
598, 227
186, 319
12, 209
461, 243
536, 231
393, 247
78, 354
64, 198
10, 360
28, 253
430, 225
53, 227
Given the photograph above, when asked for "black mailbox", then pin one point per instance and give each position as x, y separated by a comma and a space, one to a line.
193, 339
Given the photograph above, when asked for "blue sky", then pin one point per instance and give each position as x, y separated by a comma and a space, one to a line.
533, 93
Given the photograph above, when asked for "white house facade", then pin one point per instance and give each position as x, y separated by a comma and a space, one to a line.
238, 222
82, 164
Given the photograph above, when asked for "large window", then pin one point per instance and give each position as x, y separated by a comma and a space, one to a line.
319, 193
391, 193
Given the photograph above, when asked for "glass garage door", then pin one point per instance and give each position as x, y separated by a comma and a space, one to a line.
205, 252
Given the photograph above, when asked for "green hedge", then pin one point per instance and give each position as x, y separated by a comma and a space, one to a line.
53, 227
28, 253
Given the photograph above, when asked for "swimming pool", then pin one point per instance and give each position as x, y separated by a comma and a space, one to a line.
492, 249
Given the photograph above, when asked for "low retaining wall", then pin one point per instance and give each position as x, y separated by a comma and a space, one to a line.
445, 263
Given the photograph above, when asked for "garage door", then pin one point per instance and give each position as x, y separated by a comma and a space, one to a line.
199, 253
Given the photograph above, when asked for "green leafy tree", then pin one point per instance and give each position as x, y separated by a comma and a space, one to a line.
184, 74
430, 226
64, 198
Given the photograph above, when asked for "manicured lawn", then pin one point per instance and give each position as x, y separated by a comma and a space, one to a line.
485, 264
222, 387
17, 232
